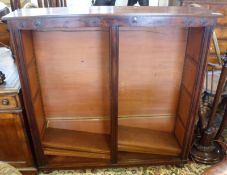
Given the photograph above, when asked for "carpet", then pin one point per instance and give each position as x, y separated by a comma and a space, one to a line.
6, 169
188, 169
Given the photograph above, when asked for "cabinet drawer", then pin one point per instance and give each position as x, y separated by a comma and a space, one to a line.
9, 102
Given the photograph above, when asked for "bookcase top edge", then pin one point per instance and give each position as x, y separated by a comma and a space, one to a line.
116, 11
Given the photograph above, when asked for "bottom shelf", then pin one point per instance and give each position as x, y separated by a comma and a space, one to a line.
62, 142
139, 140
70, 143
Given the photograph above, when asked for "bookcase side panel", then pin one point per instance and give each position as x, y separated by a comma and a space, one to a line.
192, 84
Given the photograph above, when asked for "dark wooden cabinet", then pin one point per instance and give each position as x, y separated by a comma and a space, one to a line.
14, 144
12, 132
111, 86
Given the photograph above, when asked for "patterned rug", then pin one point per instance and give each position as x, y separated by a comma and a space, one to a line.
6, 169
188, 169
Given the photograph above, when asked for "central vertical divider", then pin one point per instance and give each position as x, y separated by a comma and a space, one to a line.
114, 68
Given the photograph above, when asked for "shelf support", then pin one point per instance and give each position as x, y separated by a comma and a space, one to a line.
114, 66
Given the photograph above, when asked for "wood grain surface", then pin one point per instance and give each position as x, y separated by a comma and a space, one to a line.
147, 141
81, 86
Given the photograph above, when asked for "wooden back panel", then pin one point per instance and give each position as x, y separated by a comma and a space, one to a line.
74, 78
87, 72
73, 75
150, 70
148, 106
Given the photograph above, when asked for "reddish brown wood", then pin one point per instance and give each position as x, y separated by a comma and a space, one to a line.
29, 172
83, 141
87, 64
27, 96
125, 160
159, 79
179, 132
73, 153
4, 34
164, 16
114, 62
59, 75
13, 132
102, 125
136, 140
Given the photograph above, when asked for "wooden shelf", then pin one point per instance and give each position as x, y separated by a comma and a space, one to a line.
75, 143
140, 140
66, 153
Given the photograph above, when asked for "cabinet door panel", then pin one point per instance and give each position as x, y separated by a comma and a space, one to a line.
13, 143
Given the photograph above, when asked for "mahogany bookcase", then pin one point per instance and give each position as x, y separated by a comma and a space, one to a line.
111, 86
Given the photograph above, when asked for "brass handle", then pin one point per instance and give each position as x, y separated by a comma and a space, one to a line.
5, 102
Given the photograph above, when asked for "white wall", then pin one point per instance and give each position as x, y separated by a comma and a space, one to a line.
118, 2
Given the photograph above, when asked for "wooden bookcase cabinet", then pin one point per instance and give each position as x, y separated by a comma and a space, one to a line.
111, 86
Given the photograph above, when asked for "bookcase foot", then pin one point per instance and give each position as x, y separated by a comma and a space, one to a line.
180, 165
